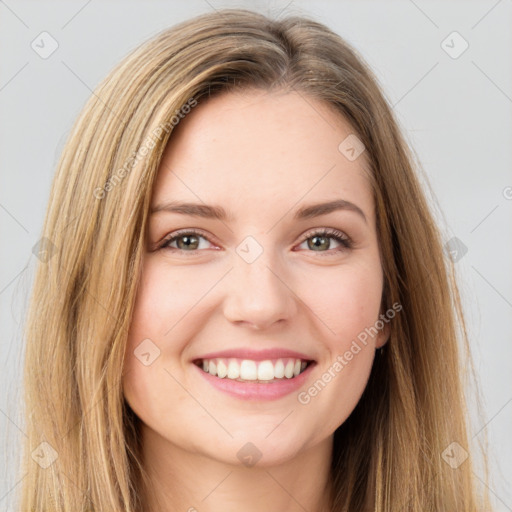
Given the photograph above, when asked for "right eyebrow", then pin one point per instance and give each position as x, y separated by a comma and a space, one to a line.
196, 210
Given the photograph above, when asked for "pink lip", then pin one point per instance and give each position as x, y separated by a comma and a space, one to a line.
254, 390
256, 355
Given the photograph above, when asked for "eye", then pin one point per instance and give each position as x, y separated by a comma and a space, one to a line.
320, 241
186, 241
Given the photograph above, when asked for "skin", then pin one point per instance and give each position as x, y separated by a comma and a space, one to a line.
261, 156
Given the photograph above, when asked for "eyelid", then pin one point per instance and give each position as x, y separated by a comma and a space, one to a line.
327, 231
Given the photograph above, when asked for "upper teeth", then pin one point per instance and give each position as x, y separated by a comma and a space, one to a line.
247, 369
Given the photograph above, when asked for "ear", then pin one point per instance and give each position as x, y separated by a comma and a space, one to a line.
384, 333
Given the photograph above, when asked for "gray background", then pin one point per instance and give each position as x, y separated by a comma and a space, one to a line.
456, 113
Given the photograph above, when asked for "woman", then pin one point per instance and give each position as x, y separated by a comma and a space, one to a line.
247, 304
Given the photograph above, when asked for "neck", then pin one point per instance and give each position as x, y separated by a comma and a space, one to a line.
185, 481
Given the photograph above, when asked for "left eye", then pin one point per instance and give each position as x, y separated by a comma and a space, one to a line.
320, 241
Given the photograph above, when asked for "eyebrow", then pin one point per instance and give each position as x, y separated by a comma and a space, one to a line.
219, 213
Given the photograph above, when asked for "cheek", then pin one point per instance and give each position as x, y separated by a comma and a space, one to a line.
166, 296
346, 300
161, 326
155, 313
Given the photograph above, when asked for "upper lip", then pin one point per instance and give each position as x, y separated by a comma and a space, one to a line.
256, 355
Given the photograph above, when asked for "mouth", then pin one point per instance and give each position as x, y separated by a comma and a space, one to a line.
266, 371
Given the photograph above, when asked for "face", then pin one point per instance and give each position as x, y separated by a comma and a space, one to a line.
276, 305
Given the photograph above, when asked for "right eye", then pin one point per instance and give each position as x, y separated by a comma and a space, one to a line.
184, 240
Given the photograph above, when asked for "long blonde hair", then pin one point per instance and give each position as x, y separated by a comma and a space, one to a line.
388, 454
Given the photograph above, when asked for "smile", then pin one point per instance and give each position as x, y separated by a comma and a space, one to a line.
255, 375
248, 370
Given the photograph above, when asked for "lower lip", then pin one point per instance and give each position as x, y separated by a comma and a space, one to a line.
257, 391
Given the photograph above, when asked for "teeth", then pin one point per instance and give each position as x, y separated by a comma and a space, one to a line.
279, 369
233, 370
247, 369
288, 369
222, 369
265, 370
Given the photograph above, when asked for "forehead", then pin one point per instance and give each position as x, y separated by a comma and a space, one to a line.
255, 149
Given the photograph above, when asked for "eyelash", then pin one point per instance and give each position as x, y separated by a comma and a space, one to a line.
338, 236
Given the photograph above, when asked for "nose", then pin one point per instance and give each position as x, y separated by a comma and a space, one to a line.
260, 294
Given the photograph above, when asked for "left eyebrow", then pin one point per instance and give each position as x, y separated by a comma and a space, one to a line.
219, 213
315, 210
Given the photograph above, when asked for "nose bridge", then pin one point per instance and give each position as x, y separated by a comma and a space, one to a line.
258, 293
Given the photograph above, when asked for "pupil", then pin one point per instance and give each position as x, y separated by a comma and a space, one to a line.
187, 242
317, 242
